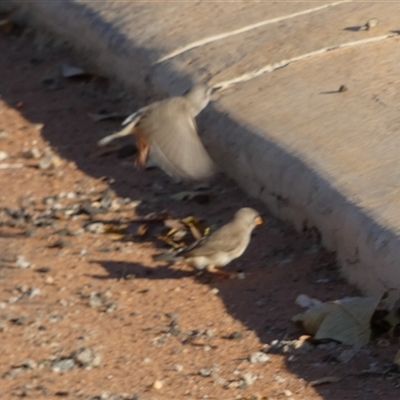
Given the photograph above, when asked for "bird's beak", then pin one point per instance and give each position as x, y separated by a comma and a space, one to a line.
258, 221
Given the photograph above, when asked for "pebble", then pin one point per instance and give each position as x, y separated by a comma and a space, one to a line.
178, 367
290, 346
211, 371
235, 336
63, 365
346, 355
22, 262
3, 155
96, 227
87, 358
249, 378
33, 292
158, 384
95, 300
49, 280
258, 357
29, 364
19, 320
32, 153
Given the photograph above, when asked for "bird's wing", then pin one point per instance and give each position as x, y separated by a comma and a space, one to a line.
174, 143
228, 238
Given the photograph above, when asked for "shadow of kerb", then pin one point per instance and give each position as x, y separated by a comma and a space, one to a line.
100, 43
367, 251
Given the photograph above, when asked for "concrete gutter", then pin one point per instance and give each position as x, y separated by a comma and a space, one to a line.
314, 156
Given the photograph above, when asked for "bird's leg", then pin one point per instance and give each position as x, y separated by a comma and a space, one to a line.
143, 148
226, 274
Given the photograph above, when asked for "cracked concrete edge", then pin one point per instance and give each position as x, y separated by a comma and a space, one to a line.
367, 251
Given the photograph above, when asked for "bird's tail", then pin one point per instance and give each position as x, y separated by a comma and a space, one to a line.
168, 256
126, 131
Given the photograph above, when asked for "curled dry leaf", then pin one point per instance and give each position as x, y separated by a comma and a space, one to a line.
325, 379
346, 320
197, 229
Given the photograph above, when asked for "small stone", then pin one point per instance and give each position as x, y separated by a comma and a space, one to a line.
220, 381
13, 299
287, 393
261, 302
95, 300
214, 291
32, 153
212, 371
29, 364
3, 155
22, 262
12, 373
279, 378
241, 275
158, 384
258, 357
178, 367
87, 358
19, 320
96, 227
205, 372
70, 195
60, 244
63, 365
209, 333
174, 328
33, 292
49, 280
249, 378
235, 336
346, 355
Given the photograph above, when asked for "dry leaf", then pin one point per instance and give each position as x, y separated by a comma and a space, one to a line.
325, 379
346, 320
197, 229
167, 239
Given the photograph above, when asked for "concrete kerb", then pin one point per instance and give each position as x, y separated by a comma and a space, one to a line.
368, 252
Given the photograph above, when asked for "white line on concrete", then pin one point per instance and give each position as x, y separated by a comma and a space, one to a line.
247, 28
272, 67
